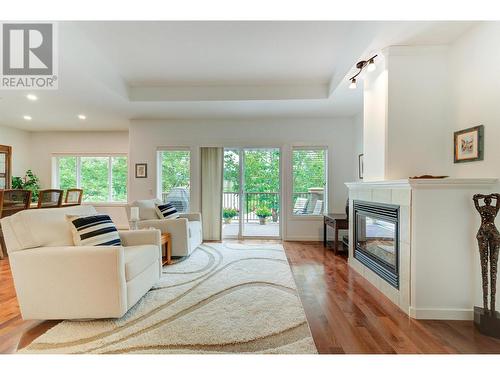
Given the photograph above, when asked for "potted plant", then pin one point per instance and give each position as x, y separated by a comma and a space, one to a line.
263, 213
30, 182
228, 214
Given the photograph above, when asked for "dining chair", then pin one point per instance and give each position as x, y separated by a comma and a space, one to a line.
12, 201
74, 196
50, 198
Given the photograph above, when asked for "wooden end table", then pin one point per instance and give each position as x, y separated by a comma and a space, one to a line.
337, 221
166, 249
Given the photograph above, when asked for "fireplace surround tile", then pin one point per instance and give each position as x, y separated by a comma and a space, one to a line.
401, 197
365, 195
388, 290
353, 194
404, 276
404, 224
382, 195
358, 267
373, 278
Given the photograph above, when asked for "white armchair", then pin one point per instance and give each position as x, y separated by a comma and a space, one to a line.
186, 231
56, 280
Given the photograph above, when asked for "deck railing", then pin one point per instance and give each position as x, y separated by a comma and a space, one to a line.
252, 201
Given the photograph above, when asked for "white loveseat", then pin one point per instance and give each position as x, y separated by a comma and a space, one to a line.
56, 280
186, 231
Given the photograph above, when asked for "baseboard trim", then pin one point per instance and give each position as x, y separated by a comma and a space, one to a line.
303, 238
442, 314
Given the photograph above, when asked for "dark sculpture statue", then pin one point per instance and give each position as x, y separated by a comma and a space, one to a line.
488, 239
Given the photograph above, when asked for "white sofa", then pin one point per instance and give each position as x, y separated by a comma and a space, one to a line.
56, 280
186, 231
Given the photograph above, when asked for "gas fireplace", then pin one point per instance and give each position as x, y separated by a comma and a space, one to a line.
376, 238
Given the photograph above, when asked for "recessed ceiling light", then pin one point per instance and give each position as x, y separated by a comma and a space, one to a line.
32, 97
82, 117
26, 117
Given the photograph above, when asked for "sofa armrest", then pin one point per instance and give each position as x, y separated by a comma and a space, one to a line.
178, 229
140, 237
172, 226
71, 282
194, 216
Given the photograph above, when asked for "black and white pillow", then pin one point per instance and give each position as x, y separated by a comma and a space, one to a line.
95, 230
167, 211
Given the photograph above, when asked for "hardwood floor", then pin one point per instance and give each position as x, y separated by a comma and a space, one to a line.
346, 314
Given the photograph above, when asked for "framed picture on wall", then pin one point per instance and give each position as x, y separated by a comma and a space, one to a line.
360, 166
469, 144
141, 170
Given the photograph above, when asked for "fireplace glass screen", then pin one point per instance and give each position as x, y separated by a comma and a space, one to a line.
377, 237
376, 232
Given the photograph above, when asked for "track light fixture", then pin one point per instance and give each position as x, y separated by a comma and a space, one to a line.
370, 63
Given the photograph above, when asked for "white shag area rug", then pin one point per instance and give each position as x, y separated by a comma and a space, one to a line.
224, 298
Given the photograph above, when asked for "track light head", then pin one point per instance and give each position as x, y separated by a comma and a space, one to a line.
361, 65
371, 65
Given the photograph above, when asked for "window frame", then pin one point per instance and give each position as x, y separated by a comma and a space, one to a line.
295, 216
56, 180
159, 170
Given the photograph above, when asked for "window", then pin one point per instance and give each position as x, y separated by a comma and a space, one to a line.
102, 178
67, 172
309, 166
175, 178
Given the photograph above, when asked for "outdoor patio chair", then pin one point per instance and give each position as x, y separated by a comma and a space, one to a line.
318, 208
300, 206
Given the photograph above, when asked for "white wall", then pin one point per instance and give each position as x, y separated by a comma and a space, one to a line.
406, 113
146, 136
339, 135
375, 122
358, 140
20, 142
431, 92
475, 92
45, 144
474, 62
418, 108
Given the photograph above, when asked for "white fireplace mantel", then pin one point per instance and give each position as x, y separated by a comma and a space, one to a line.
439, 265
418, 183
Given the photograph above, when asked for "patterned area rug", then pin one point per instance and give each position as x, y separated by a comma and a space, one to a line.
224, 298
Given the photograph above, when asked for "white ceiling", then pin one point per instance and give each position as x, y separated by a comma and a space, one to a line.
117, 71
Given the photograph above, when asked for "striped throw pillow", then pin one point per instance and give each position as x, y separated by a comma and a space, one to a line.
95, 230
167, 211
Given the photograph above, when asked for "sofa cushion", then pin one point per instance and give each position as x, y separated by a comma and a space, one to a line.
138, 258
167, 211
147, 208
94, 230
42, 227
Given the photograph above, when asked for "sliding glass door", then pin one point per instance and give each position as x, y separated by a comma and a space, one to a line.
251, 193
231, 193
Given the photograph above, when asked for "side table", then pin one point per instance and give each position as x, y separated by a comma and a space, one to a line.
336, 221
166, 249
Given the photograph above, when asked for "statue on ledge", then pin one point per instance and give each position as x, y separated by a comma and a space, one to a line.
488, 239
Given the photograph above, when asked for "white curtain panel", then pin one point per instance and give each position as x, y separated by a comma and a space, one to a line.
211, 192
